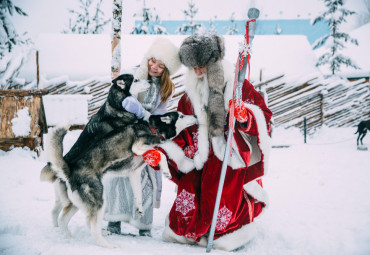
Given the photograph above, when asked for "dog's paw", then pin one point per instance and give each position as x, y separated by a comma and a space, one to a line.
140, 212
106, 232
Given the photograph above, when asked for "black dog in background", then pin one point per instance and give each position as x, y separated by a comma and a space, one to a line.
362, 130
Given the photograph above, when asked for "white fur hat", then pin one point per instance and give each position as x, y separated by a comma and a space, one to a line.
163, 50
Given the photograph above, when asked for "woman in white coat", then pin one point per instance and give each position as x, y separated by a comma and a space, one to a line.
160, 61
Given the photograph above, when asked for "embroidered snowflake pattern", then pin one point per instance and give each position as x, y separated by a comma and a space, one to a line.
223, 218
185, 202
249, 101
190, 150
195, 139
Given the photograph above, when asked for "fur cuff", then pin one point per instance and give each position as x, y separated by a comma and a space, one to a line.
257, 192
174, 152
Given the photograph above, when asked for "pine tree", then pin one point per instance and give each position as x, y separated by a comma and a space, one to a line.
150, 23
9, 37
335, 15
190, 27
212, 27
14, 48
233, 28
89, 19
278, 29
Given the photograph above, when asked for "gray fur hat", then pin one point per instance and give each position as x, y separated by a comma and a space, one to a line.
207, 50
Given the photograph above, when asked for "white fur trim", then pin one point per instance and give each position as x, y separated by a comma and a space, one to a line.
170, 236
257, 192
264, 138
237, 238
174, 152
201, 154
163, 50
219, 146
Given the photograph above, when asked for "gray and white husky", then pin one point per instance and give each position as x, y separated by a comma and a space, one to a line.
78, 184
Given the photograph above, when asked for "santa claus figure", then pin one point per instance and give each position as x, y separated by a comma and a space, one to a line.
209, 89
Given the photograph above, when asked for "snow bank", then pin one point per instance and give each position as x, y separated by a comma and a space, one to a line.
60, 109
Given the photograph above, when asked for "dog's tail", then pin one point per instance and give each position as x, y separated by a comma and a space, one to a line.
54, 146
47, 174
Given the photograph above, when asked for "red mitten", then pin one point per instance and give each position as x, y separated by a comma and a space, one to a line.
240, 112
152, 157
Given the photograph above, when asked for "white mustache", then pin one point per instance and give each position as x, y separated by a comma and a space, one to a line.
201, 75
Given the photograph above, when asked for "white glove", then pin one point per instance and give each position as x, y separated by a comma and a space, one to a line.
132, 105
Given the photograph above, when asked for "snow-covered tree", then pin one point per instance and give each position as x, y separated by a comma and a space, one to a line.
212, 27
278, 29
150, 23
9, 37
14, 48
233, 28
190, 27
116, 38
88, 19
334, 42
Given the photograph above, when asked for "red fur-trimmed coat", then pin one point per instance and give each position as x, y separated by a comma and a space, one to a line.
243, 197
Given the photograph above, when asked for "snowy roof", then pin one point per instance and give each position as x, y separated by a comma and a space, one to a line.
86, 56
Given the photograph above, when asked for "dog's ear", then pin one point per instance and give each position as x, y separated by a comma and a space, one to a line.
121, 84
166, 119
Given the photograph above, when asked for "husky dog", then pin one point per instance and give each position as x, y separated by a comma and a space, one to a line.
111, 115
362, 128
78, 185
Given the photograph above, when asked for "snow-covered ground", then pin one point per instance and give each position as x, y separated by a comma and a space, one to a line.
318, 204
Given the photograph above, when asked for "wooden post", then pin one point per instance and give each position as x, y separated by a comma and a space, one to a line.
260, 74
37, 70
116, 38
322, 109
305, 129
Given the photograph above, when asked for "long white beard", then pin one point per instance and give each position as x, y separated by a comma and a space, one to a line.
203, 90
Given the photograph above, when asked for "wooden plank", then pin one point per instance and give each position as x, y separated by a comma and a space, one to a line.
22, 92
30, 142
9, 107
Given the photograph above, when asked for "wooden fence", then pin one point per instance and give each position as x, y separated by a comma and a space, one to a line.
334, 102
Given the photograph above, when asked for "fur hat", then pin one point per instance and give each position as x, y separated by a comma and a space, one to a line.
207, 50
163, 50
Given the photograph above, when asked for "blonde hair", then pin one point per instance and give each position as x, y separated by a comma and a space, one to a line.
167, 86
